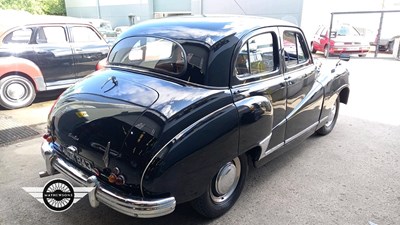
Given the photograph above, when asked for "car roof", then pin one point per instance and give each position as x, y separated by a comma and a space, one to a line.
26, 20
206, 29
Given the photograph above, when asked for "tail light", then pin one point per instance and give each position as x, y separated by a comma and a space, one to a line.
115, 177
120, 180
112, 178
101, 64
49, 138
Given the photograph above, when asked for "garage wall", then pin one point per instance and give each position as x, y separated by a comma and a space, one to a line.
116, 11
172, 5
288, 10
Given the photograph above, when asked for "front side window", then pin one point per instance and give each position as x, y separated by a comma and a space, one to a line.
256, 56
52, 35
20, 36
294, 48
149, 53
84, 34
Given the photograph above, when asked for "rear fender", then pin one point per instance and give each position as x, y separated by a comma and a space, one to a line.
256, 119
15, 65
185, 165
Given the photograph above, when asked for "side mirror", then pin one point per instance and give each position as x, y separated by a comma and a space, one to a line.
342, 57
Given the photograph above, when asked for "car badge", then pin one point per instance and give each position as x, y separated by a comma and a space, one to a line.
75, 138
106, 156
82, 114
73, 149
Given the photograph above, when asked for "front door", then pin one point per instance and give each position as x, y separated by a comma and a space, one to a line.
88, 47
304, 94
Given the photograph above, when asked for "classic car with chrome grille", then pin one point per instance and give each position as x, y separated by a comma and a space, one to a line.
184, 106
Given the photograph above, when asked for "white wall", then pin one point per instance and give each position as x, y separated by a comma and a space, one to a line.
288, 10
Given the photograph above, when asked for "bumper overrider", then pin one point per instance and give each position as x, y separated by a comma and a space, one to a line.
102, 192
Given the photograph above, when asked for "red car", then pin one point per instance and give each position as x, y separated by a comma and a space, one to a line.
344, 39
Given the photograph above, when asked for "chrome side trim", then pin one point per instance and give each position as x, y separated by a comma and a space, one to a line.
264, 146
60, 84
177, 137
49, 88
135, 206
313, 126
270, 151
323, 120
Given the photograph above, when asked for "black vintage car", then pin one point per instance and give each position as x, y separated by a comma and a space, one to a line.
185, 106
41, 53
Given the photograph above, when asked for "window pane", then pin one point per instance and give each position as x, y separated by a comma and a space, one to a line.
21, 36
51, 35
261, 54
84, 34
148, 52
300, 49
242, 63
290, 48
295, 49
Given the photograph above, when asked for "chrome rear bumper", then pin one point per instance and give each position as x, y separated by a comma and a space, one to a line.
132, 206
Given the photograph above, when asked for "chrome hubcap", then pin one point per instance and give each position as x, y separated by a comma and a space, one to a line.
331, 116
226, 181
16, 91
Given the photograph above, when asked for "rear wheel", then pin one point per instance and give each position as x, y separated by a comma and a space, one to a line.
362, 55
313, 50
390, 47
224, 189
16, 92
331, 121
326, 51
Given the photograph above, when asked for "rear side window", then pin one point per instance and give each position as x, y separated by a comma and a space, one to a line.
84, 34
20, 36
256, 57
51, 35
149, 53
295, 50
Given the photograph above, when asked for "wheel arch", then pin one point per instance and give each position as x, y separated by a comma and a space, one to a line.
22, 74
344, 95
22, 67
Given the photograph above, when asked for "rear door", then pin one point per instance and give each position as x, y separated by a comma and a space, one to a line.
88, 48
259, 92
54, 55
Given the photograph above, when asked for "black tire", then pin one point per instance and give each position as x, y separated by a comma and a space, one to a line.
326, 51
330, 124
362, 55
390, 47
312, 48
211, 204
16, 92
